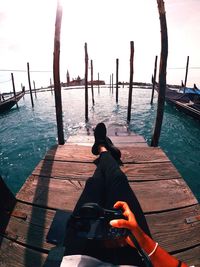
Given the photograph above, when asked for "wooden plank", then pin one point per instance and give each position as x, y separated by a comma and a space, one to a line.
35, 215
15, 255
29, 225
163, 195
142, 155
119, 145
27, 234
60, 169
171, 230
115, 139
136, 172
83, 154
52, 193
190, 256
63, 194
112, 130
150, 171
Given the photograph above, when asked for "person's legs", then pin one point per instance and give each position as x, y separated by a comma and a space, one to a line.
117, 188
94, 191
107, 186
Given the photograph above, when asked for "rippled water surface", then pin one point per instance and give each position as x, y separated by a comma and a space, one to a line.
26, 134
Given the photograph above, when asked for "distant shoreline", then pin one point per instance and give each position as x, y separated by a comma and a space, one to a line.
140, 85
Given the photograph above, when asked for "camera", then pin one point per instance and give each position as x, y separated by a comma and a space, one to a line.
92, 222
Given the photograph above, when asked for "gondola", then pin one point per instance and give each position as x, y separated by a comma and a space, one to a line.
185, 100
7, 104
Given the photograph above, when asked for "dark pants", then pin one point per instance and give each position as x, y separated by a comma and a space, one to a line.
107, 186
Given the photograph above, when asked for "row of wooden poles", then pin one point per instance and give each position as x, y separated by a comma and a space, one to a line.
111, 82
162, 76
29, 83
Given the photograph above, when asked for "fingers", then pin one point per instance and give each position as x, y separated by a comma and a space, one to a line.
121, 205
130, 223
124, 206
120, 224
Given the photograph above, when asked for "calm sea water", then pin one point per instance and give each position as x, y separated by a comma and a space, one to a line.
26, 134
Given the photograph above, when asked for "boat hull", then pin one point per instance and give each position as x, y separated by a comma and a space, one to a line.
6, 105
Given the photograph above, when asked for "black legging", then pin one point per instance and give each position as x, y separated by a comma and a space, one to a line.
107, 186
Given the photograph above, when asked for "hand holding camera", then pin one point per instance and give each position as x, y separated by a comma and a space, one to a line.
93, 222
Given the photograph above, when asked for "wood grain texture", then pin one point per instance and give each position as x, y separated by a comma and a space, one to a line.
150, 171
15, 255
83, 154
163, 195
63, 194
115, 139
35, 215
31, 230
76, 170
52, 193
28, 234
171, 230
190, 256
60, 169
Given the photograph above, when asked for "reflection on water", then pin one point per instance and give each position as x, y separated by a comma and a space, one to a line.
26, 134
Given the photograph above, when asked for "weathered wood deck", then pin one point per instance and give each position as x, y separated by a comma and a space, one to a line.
58, 180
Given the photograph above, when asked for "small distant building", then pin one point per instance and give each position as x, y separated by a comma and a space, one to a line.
80, 82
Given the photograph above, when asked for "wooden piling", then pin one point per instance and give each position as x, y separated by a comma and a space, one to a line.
23, 89
130, 82
34, 89
117, 72
56, 73
13, 84
186, 71
112, 83
98, 84
162, 74
29, 82
92, 83
154, 79
86, 83
51, 86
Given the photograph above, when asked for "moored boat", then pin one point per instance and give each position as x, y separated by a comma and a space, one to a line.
7, 104
187, 102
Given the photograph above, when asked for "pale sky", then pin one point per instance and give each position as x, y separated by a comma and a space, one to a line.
108, 26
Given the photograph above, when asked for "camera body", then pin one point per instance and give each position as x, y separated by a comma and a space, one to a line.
92, 222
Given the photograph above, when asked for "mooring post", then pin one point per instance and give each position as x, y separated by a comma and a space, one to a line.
23, 89
186, 71
51, 86
29, 82
130, 82
154, 79
34, 89
98, 84
91, 62
13, 84
56, 75
117, 72
86, 83
162, 74
112, 83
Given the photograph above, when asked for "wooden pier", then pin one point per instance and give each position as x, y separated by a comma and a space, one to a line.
56, 183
